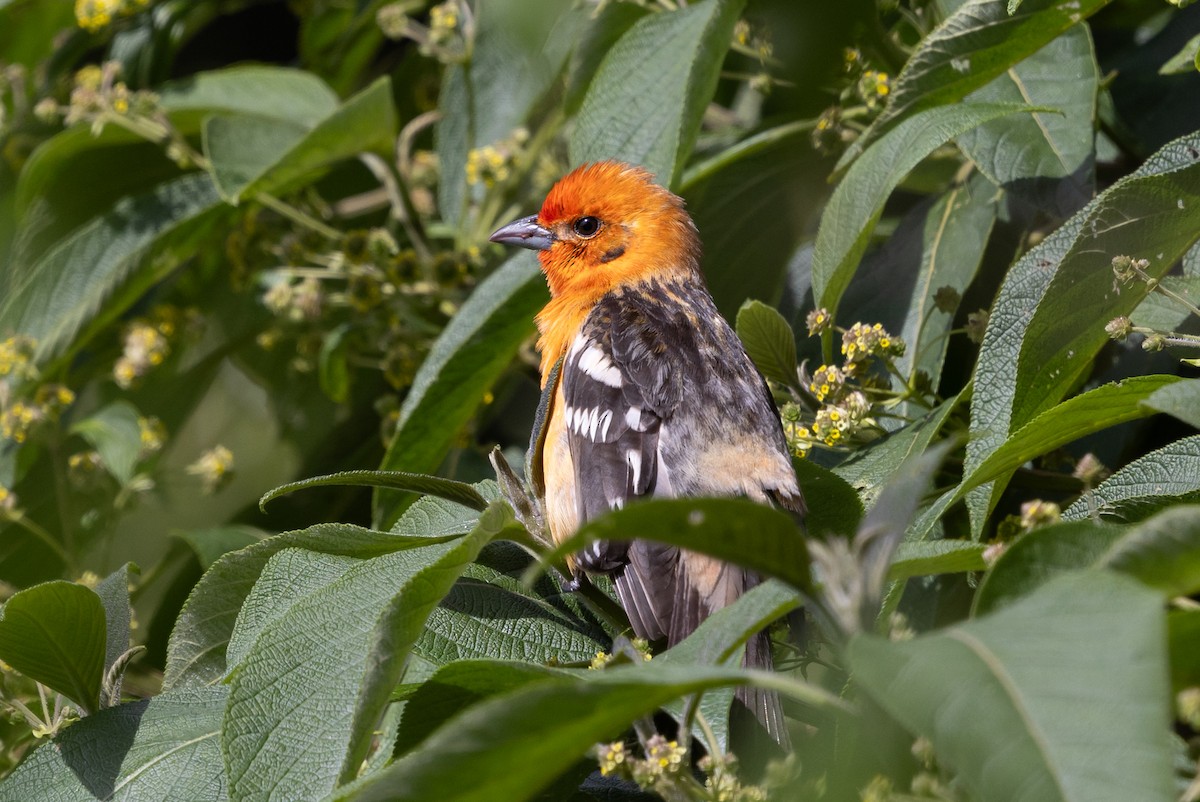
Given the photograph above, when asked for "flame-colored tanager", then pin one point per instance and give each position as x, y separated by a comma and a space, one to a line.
650, 393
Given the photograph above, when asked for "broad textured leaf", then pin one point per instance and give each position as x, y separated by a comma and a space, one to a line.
468, 356
741, 531
455, 687
544, 727
1163, 551
289, 577
1047, 323
161, 748
279, 93
938, 244
834, 506
1158, 311
976, 43
196, 651
518, 53
1180, 400
55, 633
1092, 411
253, 154
770, 342
1162, 477
856, 204
925, 558
722, 634
1039, 556
645, 104
71, 283
1047, 157
479, 619
242, 148
115, 433
113, 591
51, 201
458, 492
1017, 717
306, 698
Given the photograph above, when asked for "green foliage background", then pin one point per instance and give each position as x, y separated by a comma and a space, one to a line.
243, 244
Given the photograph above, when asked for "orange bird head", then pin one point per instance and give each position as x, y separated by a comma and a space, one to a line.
603, 225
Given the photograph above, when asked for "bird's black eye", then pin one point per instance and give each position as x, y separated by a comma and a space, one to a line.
586, 226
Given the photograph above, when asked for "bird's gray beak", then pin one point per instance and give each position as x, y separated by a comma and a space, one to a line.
525, 233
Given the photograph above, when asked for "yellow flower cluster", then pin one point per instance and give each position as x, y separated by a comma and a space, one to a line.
827, 382
8, 501
860, 342
20, 417
818, 320
153, 434
874, 87
146, 345
723, 785
214, 468
492, 164
16, 358
96, 15
611, 758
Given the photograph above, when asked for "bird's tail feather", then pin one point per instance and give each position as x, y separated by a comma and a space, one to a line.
762, 703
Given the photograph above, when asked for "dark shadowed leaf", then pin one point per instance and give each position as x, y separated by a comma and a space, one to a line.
161, 748
458, 492
770, 342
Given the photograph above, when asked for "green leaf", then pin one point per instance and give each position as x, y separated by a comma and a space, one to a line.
1016, 716
242, 148
1047, 323
1159, 311
945, 245
645, 104
55, 633
458, 492
1158, 479
544, 727
250, 155
485, 616
1163, 552
28, 30
1089, 412
291, 576
196, 650
304, 701
467, 358
1185, 61
1046, 157
277, 93
857, 203
929, 557
1036, 558
738, 530
1180, 400
113, 591
519, 50
834, 507
74, 282
333, 367
115, 433
976, 43
455, 687
161, 748
770, 342
752, 203
209, 545
1183, 632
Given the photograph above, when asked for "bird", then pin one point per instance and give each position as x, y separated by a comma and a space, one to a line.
649, 393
